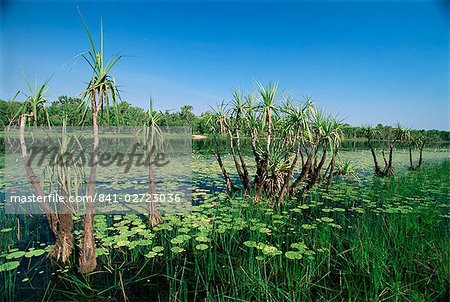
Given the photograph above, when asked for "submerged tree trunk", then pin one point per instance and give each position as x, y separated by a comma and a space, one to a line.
88, 259
62, 225
389, 170
377, 167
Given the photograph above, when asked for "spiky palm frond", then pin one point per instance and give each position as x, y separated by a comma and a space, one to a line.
35, 102
102, 92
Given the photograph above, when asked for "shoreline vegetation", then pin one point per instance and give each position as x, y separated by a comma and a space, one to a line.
68, 108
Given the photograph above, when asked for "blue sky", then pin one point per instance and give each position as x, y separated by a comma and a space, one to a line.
368, 61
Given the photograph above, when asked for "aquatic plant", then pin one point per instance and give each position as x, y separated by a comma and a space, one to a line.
394, 137
285, 139
100, 94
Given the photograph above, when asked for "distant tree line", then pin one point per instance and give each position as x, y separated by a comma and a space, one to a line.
130, 115
383, 132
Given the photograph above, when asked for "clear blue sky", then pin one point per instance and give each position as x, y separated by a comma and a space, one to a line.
370, 62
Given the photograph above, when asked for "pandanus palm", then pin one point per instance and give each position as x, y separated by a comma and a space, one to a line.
219, 124
100, 94
370, 134
153, 141
60, 223
301, 132
416, 141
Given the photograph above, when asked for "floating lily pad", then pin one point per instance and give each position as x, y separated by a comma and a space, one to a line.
8, 266
201, 247
15, 255
293, 255
158, 249
34, 253
177, 249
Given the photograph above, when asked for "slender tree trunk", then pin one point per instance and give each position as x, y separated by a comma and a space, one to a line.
411, 166
316, 172
244, 165
390, 168
305, 169
377, 167
236, 162
230, 187
154, 217
88, 259
422, 146
331, 168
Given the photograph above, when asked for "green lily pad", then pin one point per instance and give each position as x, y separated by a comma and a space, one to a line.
177, 249
293, 255
201, 247
158, 249
34, 253
15, 255
8, 266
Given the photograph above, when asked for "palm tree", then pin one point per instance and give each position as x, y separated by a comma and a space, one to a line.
416, 141
60, 223
153, 141
302, 132
219, 124
370, 134
100, 94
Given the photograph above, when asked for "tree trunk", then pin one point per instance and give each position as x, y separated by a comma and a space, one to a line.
411, 166
305, 169
287, 178
389, 170
331, 168
230, 186
88, 259
421, 154
316, 172
377, 167
154, 217
62, 227
60, 224
244, 165
236, 162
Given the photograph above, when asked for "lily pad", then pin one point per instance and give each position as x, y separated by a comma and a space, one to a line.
293, 255
8, 266
15, 255
34, 253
